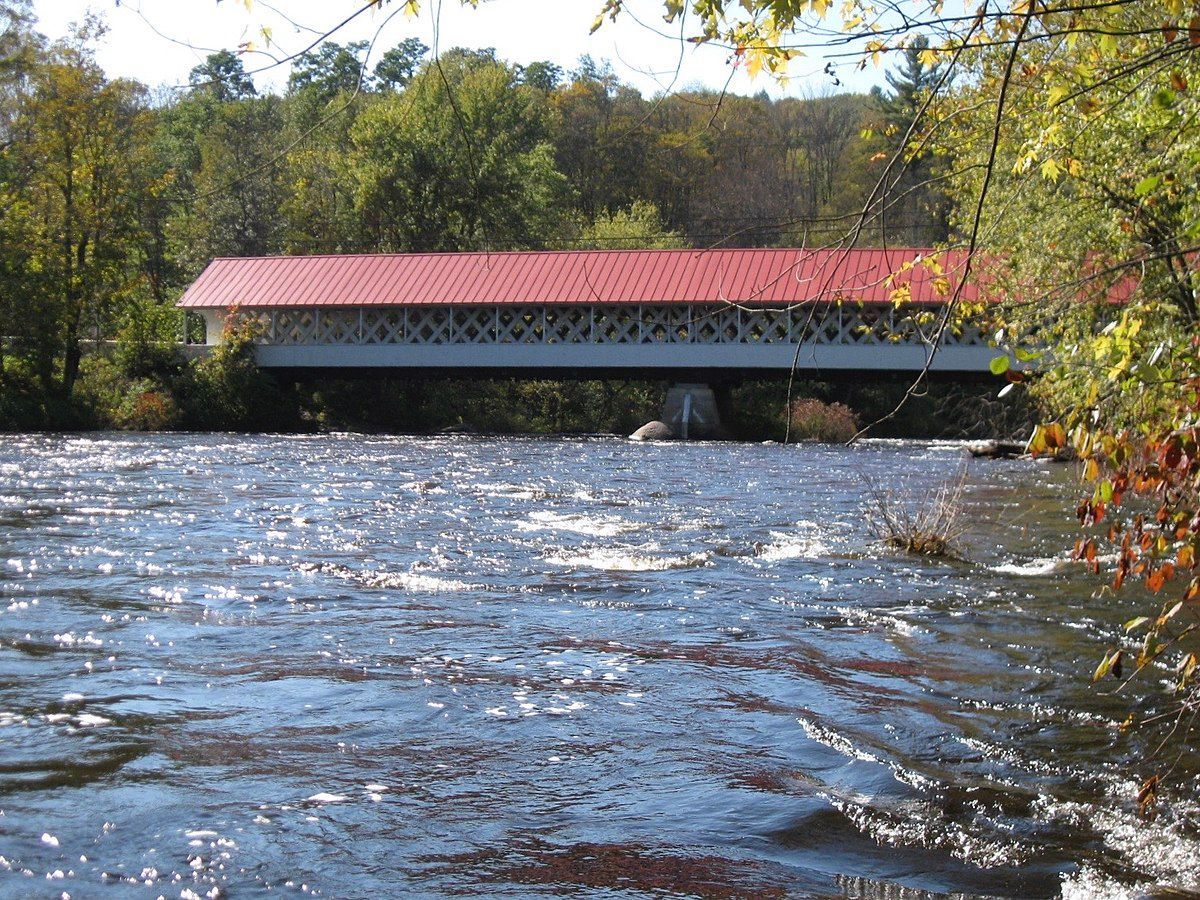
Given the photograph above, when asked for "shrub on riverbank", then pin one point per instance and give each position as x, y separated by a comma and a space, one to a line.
813, 420
959, 409
226, 391
23, 405
146, 385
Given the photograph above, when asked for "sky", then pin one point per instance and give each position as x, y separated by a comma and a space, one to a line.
159, 41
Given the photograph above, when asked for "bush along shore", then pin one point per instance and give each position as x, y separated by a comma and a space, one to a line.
147, 385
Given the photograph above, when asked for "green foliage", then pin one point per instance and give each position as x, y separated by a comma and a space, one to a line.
222, 77
147, 342
227, 391
459, 161
24, 406
74, 177
328, 70
638, 227
398, 65
598, 145
238, 188
543, 75
912, 84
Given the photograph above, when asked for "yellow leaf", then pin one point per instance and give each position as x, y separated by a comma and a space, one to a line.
1051, 169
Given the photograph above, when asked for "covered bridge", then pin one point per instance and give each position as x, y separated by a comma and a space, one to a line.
614, 310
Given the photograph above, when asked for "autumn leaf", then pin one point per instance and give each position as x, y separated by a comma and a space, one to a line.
1111, 660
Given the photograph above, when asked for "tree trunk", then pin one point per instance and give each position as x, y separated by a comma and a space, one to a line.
71, 357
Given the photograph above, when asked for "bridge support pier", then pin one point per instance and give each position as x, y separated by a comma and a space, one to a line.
691, 411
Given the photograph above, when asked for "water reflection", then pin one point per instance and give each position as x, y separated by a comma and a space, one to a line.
354, 666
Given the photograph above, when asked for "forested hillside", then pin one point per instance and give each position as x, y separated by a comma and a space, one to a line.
114, 195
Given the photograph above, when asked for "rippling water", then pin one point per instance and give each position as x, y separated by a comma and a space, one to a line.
356, 666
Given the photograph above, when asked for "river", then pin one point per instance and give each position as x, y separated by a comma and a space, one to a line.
355, 666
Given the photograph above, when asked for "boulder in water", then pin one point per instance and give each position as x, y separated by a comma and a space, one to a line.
653, 431
996, 449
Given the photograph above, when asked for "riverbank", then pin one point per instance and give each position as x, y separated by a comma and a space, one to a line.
150, 388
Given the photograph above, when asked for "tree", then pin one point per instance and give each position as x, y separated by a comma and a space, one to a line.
236, 210
18, 47
459, 59
543, 75
398, 65
601, 143
913, 200
459, 161
829, 171
742, 189
1092, 201
329, 70
911, 82
223, 77
83, 158
318, 208
15, 38
638, 228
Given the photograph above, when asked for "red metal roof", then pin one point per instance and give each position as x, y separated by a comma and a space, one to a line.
754, 277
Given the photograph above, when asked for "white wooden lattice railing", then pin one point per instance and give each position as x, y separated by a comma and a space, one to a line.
832, 324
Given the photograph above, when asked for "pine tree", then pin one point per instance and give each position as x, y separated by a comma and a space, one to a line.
918, 211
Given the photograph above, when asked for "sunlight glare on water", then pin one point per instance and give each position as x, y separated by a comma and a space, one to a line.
359, 666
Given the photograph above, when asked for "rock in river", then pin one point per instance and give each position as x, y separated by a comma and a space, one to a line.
996, 449
653, 431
